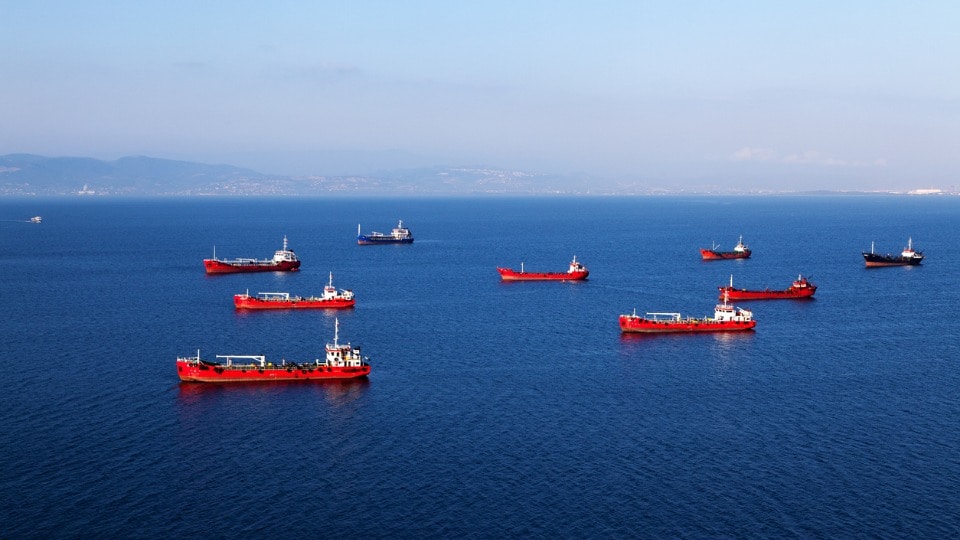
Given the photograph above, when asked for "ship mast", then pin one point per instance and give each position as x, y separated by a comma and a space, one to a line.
331, 280
285, 242
336, 332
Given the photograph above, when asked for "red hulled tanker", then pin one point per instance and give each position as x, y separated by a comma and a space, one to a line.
331, 299
341, 362
726, 318
577, 271
284, 260
800, 288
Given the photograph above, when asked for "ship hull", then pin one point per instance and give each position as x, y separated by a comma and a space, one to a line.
370, 241
248, 302
207, 373
877, 261
647, 326
743, 294
215, 266
507, 274
711, 255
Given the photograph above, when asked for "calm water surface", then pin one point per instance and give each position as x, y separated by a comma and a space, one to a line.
494, 409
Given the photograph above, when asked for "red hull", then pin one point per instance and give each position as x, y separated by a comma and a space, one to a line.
631, 323
217, 266
711, 255
743, 294
242, 301
507, 274
200, 372
800, 288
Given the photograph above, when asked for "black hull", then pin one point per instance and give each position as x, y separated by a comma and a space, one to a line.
874, 259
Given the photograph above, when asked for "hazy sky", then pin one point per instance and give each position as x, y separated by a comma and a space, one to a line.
758, 94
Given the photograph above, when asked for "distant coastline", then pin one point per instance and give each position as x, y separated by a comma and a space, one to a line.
25, 175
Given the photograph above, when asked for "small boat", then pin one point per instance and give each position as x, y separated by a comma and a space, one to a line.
36, 219
800, 288
577, 271
284, 260
281, 300
399, 235
907, 257
341, 362
740, 251
726, 318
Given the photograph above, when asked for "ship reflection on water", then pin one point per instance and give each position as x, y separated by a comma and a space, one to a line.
335, 392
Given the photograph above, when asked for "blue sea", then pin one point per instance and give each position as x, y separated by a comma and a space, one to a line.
493, 409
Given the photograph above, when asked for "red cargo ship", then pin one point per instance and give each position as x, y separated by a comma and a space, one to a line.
740, 251
800, 288
284, 260
281, 300
341, 362
726, 318
576, 271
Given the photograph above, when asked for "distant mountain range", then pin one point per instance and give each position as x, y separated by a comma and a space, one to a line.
27, 174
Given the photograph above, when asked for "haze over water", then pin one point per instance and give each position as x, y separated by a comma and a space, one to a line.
492, 409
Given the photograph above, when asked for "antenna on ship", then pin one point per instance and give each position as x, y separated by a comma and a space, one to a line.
331, 279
